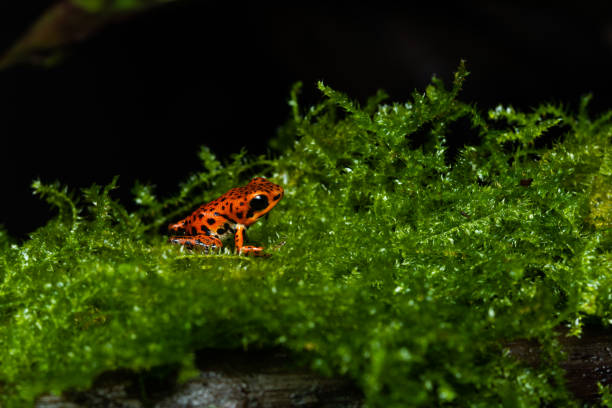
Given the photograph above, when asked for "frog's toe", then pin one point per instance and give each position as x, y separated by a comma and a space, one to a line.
253, 251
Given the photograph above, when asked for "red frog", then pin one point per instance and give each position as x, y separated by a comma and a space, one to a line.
227, 216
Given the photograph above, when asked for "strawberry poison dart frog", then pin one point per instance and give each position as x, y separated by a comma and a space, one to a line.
227, 216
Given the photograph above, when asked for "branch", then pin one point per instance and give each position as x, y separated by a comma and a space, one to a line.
63, 24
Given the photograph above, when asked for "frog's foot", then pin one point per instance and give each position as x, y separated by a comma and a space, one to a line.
253, 251
198, 241
242, 249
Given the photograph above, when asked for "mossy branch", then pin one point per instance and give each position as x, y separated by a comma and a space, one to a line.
405, 267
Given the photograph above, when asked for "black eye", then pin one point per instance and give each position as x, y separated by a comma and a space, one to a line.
258, 202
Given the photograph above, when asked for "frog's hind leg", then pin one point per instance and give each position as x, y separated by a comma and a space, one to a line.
204, 242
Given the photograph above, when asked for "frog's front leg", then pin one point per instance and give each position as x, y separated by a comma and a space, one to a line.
242, 249
198, 241
177, 228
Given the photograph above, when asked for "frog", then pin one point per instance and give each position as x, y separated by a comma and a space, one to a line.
213, 223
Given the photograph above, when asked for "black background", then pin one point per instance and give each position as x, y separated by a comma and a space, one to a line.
138, 98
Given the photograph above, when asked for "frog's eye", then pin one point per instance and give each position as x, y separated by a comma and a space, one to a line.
259, 202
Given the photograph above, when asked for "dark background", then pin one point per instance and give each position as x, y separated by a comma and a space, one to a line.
138, 98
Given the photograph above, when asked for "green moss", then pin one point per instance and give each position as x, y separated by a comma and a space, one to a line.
404, 267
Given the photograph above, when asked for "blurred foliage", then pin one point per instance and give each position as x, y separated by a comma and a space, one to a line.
606, 395
406, 268
100, 6
68, 22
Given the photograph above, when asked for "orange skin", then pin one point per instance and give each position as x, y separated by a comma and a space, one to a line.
227, 216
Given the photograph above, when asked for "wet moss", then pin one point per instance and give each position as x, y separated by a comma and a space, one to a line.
402, 268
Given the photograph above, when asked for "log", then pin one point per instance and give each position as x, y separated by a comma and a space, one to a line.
228, 379
588, 359
268, 379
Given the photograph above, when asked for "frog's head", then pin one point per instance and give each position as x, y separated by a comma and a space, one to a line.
261, 197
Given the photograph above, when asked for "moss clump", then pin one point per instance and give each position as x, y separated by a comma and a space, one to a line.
406, 266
